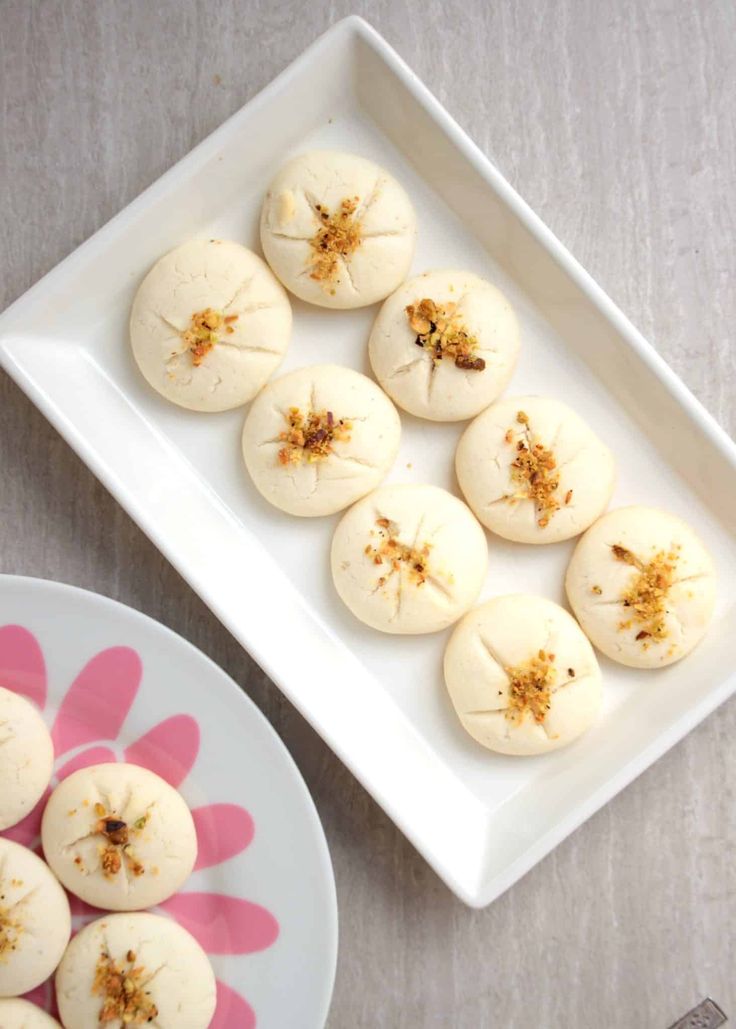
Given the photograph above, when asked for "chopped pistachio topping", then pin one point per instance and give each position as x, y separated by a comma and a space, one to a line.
203, 332
110, 860
122, 984
117, 846
441, 334
10, 932
115, 829
534, 473
530, 687
338, 237
391, 555
309, 437
645, 595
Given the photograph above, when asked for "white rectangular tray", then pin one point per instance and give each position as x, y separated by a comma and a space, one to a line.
481, 820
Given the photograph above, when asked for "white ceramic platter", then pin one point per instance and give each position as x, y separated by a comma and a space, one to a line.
114, 685
480, 820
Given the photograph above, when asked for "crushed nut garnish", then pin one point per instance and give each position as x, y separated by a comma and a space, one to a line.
530, 687
110, 861
645, 596
390, 551
597, 590
117, 847
338, 236
533, 470
571, 672
10, 932
202, 334
310, 437
114, 828
125, 998
568, 496
441, 335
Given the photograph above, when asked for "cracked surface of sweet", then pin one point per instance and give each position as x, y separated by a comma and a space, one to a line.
409, 558
522, 676
209, 324
35, 921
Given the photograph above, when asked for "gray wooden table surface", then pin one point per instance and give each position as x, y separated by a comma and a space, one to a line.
615, 120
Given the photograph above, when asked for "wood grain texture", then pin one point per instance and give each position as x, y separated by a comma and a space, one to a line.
616, 122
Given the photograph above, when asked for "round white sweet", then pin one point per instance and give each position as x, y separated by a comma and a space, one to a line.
497, 657
466, 359
118, 836
249, 321
533, 471
21, 1014
338, 230
643, 586
168, 972
409, 559
320, 438
35, 923
26, 757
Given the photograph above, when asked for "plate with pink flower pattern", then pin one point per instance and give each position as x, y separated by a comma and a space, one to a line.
113, 685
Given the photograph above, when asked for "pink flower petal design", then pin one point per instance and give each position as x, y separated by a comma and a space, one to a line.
232, 1012
169, 749
98, 700
39, 995
224, 925
22, 668
223, 830
85, 759
29, 828
95, 708
44, 997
